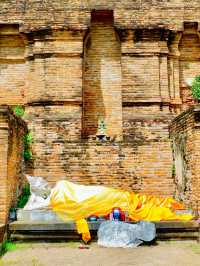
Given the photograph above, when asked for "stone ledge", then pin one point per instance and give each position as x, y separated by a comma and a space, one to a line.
65, 226
165, 230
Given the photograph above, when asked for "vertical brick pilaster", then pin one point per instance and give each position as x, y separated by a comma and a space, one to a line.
3, 164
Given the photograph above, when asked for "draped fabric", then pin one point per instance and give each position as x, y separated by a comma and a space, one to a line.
77, 202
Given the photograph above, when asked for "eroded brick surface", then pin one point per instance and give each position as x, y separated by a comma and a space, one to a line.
184, 133
72, 62
11, 157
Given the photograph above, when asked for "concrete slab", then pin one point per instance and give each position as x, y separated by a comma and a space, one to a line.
37, 215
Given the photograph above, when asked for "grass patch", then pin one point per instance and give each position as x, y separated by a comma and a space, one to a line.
22, 245
9, 262
195, 247
7, 246
35, 262
12, 262
187, 244
10, 246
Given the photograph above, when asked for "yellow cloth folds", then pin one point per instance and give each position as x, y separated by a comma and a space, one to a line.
77, 202
82, 228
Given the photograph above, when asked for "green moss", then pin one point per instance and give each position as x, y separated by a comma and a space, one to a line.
18, 110
28, 139
27, 155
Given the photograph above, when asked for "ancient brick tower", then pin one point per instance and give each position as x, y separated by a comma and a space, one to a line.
73, 63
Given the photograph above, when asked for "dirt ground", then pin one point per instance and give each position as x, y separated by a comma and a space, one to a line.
69, 254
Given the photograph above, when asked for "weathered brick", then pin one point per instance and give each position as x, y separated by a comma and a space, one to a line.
11, 152
73, 62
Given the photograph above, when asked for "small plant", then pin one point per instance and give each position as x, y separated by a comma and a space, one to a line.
23, 199
173, 170
18, 110
7, 246
27, 155
28, 139
196, 88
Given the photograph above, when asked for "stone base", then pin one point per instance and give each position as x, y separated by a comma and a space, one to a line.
165, 230
37, 215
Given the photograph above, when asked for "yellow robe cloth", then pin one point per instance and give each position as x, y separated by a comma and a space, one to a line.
66, 201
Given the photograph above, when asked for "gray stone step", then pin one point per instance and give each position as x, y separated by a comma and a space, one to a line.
45, 224
48, 226
43, 230
173, 230
37, 215
60, 225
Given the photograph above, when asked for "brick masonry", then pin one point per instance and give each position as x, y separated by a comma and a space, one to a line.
71, 62
185, 136
11, 158
102, 95
140, 162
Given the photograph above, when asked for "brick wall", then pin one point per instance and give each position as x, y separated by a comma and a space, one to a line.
189, 62
3, 165
67, 66
142, 162
144, 66
11, 157
76, 14
12, 66
102, 97
36, 61
185, 136
55, 66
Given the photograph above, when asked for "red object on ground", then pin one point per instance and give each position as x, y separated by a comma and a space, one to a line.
83, 247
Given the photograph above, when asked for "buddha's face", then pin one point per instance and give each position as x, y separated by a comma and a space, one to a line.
39, 186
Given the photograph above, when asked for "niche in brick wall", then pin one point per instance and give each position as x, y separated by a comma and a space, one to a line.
102, 97
189, 48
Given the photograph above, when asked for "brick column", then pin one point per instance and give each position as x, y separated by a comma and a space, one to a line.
102, 78
3, 164
174, 70
11, 151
